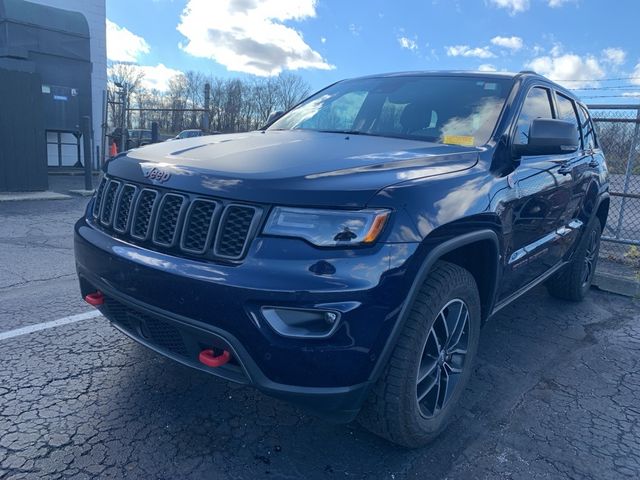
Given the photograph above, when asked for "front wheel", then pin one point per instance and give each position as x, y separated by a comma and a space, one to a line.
416, 395
573, 281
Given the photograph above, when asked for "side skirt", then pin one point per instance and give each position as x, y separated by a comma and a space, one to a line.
514, 296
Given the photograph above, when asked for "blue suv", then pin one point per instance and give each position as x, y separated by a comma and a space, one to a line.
346, 256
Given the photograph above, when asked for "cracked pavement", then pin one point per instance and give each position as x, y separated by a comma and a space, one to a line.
555, 393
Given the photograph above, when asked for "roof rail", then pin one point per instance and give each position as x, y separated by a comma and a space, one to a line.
528, 71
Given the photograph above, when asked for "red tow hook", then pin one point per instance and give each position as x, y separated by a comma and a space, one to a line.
95, 298
210, 359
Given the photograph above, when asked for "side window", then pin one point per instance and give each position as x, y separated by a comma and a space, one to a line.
567, 110
588, 134
536, 105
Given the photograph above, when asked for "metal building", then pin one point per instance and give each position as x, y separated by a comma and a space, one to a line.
50, 47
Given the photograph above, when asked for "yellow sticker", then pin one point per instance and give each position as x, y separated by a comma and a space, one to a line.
465, 140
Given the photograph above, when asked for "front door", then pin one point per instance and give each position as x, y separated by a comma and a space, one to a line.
540, 203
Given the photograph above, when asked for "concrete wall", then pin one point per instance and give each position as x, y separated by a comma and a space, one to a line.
95, 13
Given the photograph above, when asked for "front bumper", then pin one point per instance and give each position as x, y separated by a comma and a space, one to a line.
179, 306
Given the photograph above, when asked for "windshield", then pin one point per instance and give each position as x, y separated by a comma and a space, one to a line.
445, 109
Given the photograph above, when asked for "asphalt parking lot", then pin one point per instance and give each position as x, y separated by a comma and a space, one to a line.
556, 392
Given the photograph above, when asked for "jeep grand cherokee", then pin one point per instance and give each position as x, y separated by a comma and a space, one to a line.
346, 256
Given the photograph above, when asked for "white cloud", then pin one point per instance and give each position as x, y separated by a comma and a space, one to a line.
512, 43
408, 43
250, 35
487, 67
154, 77
355, 29
123, 45
558, 3
571, 70
537, 50
517, 6
157, 78
614, 56
514, 6
556, 50
467, 51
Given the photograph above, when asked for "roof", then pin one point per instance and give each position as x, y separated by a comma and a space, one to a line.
43, 16
471, 73
444, 73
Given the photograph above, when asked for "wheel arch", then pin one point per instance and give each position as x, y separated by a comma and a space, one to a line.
452, 250
602, 210
481, 259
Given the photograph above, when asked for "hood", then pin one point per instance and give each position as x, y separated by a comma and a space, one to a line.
292, 167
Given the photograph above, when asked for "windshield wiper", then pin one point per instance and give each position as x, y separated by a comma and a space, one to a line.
350, 132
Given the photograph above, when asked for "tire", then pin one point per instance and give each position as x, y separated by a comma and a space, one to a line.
392, 409
573, 281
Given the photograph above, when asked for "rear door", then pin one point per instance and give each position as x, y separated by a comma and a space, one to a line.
581, 168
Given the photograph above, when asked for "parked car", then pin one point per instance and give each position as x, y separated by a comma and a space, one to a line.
191, 133
346, 256
136, 137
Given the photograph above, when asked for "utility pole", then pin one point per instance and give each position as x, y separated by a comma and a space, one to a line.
207, 100
123, 137
88, 157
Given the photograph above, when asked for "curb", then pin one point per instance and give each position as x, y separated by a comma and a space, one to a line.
82, 193
19, 196
629, 287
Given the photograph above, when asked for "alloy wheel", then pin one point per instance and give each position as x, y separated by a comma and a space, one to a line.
443, 358
590, 257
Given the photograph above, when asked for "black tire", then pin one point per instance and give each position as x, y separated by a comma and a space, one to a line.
393, 410
573, 281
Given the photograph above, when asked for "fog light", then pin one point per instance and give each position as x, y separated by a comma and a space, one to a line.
301, 323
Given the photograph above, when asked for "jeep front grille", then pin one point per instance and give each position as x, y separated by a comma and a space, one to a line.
98, 202
198, 227
121, 221
143, 212
167, 220
234, 227
169, 213
108, 201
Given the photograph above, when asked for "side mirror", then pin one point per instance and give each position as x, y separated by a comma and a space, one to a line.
273, 116
549, 137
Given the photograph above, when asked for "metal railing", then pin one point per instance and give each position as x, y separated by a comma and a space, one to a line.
618, 129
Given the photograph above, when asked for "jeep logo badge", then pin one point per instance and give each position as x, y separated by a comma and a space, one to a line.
156, 174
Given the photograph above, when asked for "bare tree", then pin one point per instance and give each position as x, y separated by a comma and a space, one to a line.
291, 90
265, 97
127, 76
194, 95
235, 104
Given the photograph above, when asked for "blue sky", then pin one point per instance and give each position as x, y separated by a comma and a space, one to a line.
581, 43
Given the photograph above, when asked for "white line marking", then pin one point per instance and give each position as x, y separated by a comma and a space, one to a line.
52, 324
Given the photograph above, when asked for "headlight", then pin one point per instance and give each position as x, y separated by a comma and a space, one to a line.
327, 228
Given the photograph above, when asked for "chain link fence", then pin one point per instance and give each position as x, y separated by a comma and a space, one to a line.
618, 128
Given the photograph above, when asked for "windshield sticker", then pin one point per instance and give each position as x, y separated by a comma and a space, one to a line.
465, 140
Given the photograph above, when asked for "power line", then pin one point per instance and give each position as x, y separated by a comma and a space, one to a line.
596, 79
620, 87
610, 96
